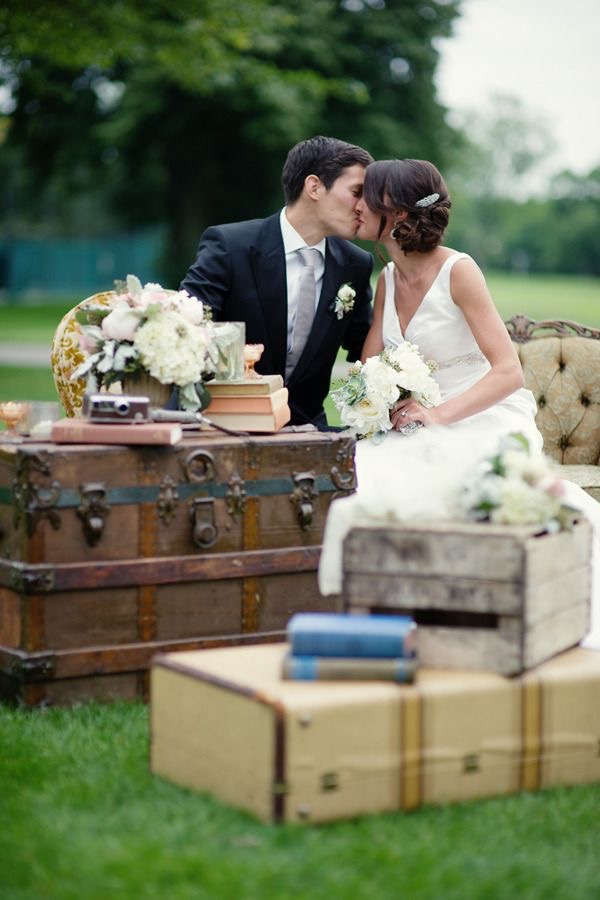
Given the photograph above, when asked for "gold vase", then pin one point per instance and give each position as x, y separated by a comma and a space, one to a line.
147, 386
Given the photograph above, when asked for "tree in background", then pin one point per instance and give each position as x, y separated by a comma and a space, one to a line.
181, 112
505, 213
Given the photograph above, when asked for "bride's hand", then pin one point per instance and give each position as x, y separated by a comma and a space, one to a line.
407, 411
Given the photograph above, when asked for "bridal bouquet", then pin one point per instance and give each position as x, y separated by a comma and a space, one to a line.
367, 395
514, 487
166, 334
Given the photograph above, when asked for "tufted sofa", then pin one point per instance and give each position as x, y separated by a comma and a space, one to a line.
561, 365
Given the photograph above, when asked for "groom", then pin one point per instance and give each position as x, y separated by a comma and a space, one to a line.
253, 272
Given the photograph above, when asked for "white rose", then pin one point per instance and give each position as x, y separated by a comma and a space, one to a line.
367, 417
381, 380
121, 323
346, 293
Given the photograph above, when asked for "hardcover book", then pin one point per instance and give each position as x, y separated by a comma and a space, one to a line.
344, 668
258, 403
252, 422
259, 384
342, 634
83, 431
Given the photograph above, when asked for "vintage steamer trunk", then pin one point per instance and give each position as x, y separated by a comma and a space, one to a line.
110, 553
224, 722
484, 596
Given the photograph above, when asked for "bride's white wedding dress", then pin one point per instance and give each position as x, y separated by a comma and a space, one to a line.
411, 477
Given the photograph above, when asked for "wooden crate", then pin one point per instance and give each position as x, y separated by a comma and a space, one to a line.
484, 596
111, 553
225, 722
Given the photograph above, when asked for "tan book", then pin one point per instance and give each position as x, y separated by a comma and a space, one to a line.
263, 403
252, 422
83, 431
259, 384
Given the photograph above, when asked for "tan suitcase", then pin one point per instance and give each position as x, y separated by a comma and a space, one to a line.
224, 722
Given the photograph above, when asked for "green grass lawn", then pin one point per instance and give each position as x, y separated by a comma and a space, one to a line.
537, 296
547, 297
81, 818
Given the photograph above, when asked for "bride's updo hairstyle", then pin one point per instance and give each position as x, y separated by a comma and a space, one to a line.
413, 185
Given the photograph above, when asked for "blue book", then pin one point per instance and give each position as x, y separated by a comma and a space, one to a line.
340, 634
345, 668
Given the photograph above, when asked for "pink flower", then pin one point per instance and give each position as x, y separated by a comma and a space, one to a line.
90, 338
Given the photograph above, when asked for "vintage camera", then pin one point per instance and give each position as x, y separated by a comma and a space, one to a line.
113, 408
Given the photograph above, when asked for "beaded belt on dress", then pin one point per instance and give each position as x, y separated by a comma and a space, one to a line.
467, 359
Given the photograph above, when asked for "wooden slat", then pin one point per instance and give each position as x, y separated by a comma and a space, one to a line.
84, 661
164, 570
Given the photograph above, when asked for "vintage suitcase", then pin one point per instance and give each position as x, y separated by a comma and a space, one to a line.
111, 553
223, 721
485, 596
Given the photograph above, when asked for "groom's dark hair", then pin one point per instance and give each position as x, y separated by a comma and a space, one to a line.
325, 157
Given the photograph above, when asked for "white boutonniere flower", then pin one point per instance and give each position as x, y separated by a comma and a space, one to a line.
344, 300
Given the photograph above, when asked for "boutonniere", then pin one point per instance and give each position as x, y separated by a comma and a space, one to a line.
344, 300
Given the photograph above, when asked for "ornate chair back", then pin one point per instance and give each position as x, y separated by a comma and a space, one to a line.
561, 365
66, 354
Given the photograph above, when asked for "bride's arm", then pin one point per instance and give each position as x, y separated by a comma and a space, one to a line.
374, 340
470, 292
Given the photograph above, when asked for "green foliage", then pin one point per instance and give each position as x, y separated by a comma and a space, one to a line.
559, 233
490, 181
82, 817
184, 111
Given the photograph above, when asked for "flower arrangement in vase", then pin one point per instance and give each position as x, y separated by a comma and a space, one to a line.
150, 338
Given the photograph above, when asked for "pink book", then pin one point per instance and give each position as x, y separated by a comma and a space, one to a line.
83, 431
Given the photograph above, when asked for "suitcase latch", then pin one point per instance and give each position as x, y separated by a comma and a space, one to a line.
204, 530
304, 495
343, 475
93, 511
34, 500
168, 499
235, 499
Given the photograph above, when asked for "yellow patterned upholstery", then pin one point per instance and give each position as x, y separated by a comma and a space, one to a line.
66, 354
561, 364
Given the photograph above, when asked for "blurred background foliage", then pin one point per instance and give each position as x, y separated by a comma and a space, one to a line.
160, 117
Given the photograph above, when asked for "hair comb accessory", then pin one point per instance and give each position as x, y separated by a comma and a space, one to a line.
427, 201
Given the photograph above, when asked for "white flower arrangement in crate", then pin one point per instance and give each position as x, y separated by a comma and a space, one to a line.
516, 487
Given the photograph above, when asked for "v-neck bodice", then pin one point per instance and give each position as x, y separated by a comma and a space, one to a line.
440, 330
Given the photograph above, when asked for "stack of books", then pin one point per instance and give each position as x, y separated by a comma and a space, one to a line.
257, 404
338, 646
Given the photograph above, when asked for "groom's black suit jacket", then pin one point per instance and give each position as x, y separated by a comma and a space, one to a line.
240, 273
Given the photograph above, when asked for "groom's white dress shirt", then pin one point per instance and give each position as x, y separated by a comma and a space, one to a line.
292, 242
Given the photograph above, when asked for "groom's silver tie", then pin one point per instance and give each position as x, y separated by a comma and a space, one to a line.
305, 311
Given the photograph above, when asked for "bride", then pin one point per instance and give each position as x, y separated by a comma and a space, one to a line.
438, 299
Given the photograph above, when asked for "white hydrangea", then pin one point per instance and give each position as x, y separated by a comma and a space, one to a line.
171, 349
